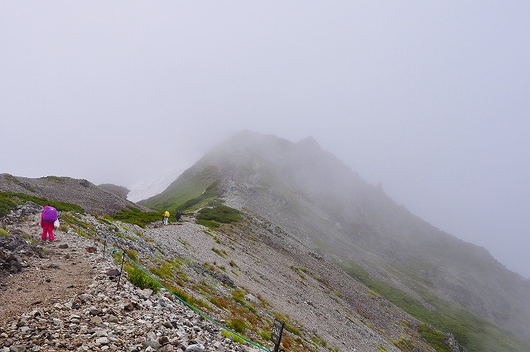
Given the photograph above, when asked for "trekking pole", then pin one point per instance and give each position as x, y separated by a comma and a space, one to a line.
104, 247
121, 270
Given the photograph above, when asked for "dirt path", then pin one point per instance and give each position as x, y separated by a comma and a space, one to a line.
66, 270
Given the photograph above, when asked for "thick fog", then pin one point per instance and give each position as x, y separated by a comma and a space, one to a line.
429, 98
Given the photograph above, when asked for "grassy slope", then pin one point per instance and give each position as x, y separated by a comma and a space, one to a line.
176, 195
471, 331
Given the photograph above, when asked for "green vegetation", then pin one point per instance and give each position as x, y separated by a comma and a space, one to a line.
227, 334
219, 213
164, 271
184, 242
183, 295
404, 344
132, 254
80, 227
292, 329
470, 331
220, 252
237, 325
301, 271
55, 178
210, 194
3, 233
265, 335
10, 200
434, 337
211, 217
135, 274
188, 195
209, 224
139, 278
135, 216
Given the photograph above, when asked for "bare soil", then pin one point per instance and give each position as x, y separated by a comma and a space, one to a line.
62, 272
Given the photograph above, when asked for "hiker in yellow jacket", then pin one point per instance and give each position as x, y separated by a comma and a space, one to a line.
166, 216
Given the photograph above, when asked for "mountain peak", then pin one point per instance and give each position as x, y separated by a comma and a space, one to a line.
309, 142
316, 198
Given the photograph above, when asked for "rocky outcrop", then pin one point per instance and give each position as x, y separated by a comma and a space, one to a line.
14, 249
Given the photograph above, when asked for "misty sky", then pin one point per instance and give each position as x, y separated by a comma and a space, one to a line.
429, 98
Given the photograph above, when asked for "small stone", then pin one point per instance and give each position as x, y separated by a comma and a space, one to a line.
25, 329
151, 343
195, 348
145, 293
163, 340
102, 341
96, 320
18, 348
112, 319
166, 348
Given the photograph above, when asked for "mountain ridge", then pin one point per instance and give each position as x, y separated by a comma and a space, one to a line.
298, 192
91, 198
314, 196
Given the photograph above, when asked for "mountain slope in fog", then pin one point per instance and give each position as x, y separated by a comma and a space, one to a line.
319, 200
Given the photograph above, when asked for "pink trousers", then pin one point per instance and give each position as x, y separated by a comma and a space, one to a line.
47, 229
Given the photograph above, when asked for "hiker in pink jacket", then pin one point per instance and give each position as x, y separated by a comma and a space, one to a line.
47, 218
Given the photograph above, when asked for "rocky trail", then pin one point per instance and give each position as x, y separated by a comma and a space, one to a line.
64, 270
66, 298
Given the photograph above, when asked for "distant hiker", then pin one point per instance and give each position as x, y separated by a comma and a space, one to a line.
165, 215
178, 215
47, 218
